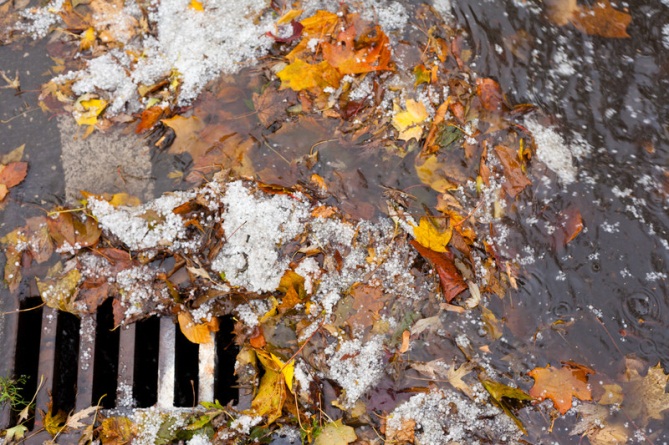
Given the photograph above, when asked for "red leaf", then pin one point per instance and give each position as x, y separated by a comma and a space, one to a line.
452, 283
296, 27
13, 174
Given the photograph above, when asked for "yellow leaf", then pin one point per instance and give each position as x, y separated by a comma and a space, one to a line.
88, 110
434, 173
198, 333
289, 16
54, 423
336, 433
87, 39
407, 122
117, 431
300, 75
288, 372
196, 5
271, 396
428, 235
13, 156
272, 362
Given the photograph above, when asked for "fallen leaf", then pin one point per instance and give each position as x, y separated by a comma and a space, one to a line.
199, 333
613, 395
336, 433
149, 118
573, 224
54, 423
186, 130
373, 53
403, 432
432, 237
117, 431
74, 421
13, 156
60, 289
196, 5
13, 173
560, 385
507, 397
646, 397
271, 396
490, 94
452, 283
300, 75
367, 302
15, 433
594, 423
516, 179
87, 110
602, 20
69, 231
272, 362
407, 122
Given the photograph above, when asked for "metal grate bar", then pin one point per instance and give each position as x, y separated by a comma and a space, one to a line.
86, 360
9, 328
166, 363
126, 367
206, 370
47, 353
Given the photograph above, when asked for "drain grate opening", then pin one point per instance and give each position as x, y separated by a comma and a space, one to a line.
26, 361
105, 368
225, 385
145, 384
186, 363
64, 387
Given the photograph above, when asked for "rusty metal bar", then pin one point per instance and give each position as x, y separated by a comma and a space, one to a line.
206, 370
126, 367
47, 353
9, 327
166, 363
86, 361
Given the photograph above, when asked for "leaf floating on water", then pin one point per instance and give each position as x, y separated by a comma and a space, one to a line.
430, 236
452, 283
408, 122
560, 385
373, 53
516, 179
646, 397
602, 20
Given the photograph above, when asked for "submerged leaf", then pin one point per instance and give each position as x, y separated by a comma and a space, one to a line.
560, 385
116, 431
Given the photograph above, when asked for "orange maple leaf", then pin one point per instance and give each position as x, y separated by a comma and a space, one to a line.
373, 53
560, 385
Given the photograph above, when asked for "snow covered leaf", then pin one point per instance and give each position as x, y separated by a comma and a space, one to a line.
88, 110
602, 20
373, 53
117, 431
60, 290
560, 385
407, 122
403, 431
292, 285
452, 283
199, 333
645, 397
432, 237
70, 232
336, 433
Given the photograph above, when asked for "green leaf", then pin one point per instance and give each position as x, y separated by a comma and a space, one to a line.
506, 397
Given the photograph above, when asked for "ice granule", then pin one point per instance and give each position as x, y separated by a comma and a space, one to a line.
390, 16
356, 367
552, 150
244, 423
310, 271
132, 226
444, 416
199, 439
254, 228
39, 21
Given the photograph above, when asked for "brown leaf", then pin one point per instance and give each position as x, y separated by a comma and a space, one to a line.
452, 283
68, 230
13, 173
646, 397
373, 53
602, 20
516, 179
116, 431
367, 302
403, 432
490, 94
560, 385
149, 118
573, 224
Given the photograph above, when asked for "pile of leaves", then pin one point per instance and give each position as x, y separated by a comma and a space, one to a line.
347, 321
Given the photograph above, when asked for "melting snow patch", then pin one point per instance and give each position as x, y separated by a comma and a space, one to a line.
254, 227
553, 151
356, 367
444, 417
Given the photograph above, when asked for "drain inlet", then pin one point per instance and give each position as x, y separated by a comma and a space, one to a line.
64, 387
105, 370
225, 386
186, 363
145, 384
26, 362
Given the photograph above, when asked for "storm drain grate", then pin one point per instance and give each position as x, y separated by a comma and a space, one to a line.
85, 361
